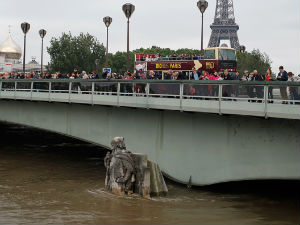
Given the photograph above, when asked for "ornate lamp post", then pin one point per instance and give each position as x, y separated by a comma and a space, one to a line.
107, 21
242, 49
25, 28
42, 33
128, 9
202, 5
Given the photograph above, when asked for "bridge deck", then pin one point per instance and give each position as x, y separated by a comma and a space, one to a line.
209, 97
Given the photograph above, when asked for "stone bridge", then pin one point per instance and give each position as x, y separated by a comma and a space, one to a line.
210, 131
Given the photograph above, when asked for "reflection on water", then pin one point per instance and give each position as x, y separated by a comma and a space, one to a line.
47, 178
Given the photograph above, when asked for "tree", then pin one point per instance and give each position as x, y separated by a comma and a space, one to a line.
254, 60
118, 61
69, 52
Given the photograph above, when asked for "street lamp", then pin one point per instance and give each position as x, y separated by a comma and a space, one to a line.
202, 5
128, 9
25, 28
107, 21
242, 49
42, 33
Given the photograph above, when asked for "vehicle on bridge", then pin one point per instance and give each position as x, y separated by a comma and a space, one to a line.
214, 59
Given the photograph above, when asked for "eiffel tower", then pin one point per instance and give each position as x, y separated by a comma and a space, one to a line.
224, 26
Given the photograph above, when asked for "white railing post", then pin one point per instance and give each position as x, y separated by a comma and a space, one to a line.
31, 89
93, 89
181, 96
70, 88
15, 92
133, 90
50, 84
266, 98
220, 98
147, 94
118, 94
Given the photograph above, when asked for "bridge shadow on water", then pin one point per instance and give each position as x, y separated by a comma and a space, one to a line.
16, 135
265, 188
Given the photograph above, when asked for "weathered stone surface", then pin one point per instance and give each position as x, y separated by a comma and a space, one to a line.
146, 184
128, 173
120, 170
142, 185
157, 183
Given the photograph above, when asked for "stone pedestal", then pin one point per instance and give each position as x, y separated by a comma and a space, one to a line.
142, 182
158, 186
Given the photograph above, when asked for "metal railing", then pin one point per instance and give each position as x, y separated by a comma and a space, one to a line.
192, 92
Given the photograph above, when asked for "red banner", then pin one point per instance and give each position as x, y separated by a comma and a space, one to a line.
144, 56
183, 65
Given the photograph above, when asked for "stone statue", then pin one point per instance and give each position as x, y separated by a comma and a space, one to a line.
128, 173
120, 170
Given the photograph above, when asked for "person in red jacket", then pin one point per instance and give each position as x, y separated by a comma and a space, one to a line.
270, 78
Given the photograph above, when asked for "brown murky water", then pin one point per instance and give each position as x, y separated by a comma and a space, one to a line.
50, 179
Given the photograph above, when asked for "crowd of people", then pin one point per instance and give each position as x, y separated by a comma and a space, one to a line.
170, 75
252, 92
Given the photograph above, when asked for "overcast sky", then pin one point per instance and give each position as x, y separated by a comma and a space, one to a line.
269, 25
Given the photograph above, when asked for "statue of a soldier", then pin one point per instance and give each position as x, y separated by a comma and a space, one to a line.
120, 173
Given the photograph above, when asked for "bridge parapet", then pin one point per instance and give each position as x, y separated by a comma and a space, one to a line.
263, 99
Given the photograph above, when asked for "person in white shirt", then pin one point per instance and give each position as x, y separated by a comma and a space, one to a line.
195, 74
84, 75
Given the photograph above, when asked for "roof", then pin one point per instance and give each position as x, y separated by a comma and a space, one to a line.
10, 48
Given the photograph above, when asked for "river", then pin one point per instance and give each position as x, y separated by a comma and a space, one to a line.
47, 178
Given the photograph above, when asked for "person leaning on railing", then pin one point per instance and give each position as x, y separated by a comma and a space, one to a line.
195, 74
153, 76
246, 76
294, 95
236, 88
250, 89
259, 89
215, 89
168, 75
269, 77
283, 76
227, 89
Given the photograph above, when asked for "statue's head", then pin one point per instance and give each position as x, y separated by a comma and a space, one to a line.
118, 142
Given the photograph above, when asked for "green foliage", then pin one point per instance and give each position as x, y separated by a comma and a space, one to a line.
254, 60
166, 51
118, 61
69, 52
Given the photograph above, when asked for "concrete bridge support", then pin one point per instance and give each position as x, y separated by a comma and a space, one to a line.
208, 147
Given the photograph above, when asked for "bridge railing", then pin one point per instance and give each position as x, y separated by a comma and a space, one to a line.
208, 96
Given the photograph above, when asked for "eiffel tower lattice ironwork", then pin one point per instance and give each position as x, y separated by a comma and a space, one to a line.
224, 26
